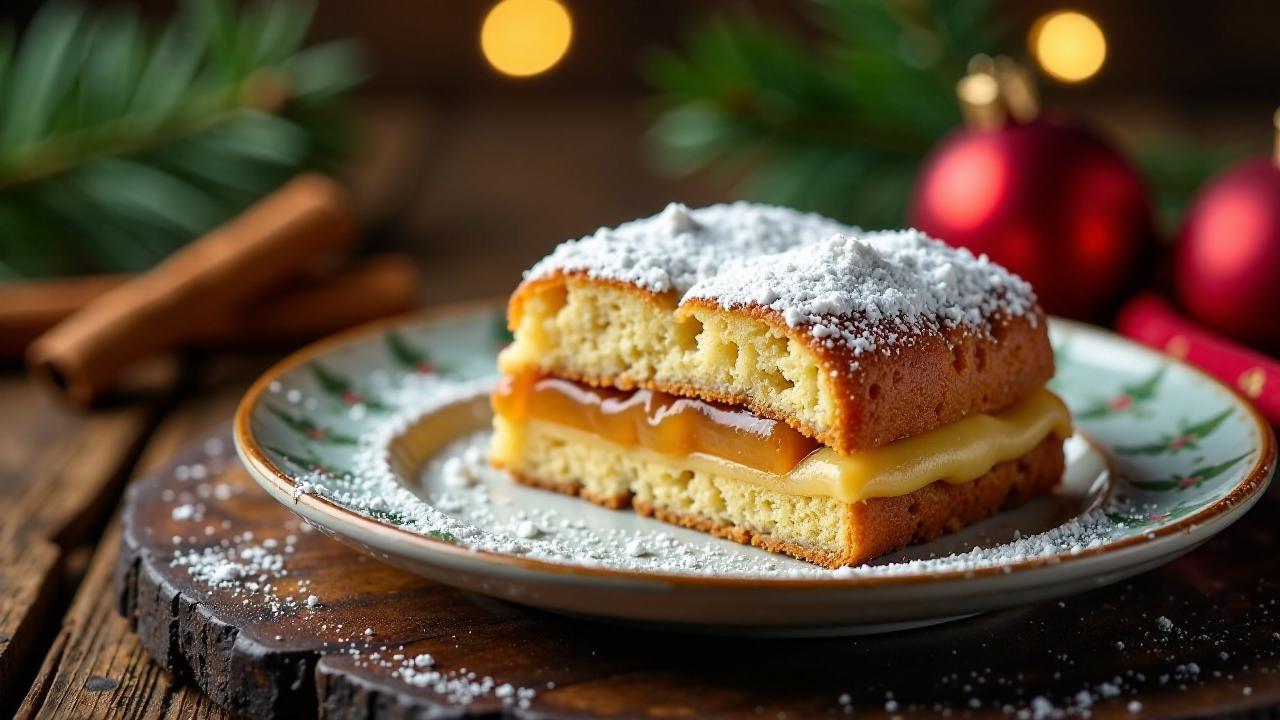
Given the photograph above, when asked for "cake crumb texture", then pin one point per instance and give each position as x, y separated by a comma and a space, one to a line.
820, 530
606, 333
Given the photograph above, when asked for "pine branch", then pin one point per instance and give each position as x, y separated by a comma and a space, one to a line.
118, 144
835, 124
837, 120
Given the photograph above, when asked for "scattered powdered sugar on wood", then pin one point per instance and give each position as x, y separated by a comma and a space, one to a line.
457, 686
864, 290
252, 570
1045, 681
246, 567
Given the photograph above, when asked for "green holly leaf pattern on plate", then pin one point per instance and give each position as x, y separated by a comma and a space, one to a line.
1130, 398
341, 388
411, 358
394, 517
1187, 439
310, 430
1136, 520
309, 463
1193, 479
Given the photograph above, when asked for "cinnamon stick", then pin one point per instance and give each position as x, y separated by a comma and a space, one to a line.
369, 289
375, 288
275, 240
28, 308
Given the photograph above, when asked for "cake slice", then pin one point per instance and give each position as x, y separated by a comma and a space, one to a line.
780, 379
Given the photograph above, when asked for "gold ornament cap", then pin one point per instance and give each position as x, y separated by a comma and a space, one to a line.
996, 90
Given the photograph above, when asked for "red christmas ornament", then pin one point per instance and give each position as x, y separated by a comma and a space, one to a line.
1227, 257
1043, 196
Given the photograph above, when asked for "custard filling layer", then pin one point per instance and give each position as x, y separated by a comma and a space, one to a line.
732, 441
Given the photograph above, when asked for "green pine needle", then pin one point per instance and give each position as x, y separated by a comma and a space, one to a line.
119, 143
835, 124
838, 120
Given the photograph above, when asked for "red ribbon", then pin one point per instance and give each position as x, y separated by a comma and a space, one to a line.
1151, 320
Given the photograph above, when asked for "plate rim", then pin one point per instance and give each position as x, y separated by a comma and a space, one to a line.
279, 483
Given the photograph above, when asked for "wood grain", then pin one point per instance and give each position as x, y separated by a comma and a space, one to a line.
28, 576
97, 668
60, 472
60, 475
264, 665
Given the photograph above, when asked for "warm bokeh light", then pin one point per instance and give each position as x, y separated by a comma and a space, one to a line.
526, 37
1068, 45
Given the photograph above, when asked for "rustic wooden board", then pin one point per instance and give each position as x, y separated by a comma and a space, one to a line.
97, 669
1219, 657
94, 666
28, 577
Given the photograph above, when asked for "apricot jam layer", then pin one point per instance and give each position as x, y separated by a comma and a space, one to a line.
746, 449
656, 421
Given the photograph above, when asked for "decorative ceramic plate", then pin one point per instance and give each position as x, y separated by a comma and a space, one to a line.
377, 437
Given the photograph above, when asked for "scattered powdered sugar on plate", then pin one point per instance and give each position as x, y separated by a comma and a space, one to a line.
864, 290
462, 500
375, 486
1085, 532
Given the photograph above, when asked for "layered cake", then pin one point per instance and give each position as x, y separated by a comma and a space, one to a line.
779, 379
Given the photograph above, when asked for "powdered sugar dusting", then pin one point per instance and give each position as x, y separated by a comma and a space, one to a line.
863, 290
673, 250
872, 291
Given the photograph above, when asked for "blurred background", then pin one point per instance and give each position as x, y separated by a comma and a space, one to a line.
474, 136
478, 172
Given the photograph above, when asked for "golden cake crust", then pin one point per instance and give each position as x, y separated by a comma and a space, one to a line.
928, 380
